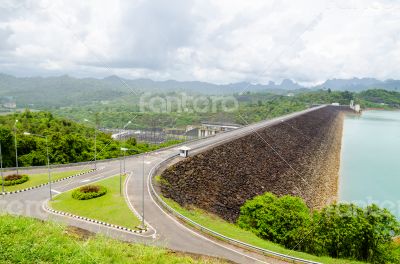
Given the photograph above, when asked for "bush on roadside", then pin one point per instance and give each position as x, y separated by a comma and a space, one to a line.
89, 192
280, 220
14, 179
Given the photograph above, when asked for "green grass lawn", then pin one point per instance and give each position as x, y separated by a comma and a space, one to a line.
223, 227
37, 179
27, 240
110, 208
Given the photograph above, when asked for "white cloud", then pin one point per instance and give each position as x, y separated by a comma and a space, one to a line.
216, 41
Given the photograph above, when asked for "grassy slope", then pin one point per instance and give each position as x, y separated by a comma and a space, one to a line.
230, 230
110, 208
26, 240
37, 179
397, 249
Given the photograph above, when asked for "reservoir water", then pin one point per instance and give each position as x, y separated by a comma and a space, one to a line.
370, 160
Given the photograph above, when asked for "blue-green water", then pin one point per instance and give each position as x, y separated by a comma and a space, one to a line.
370, 160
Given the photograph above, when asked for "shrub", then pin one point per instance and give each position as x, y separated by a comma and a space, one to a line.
89, 192
339, 230
14, 179
281, 220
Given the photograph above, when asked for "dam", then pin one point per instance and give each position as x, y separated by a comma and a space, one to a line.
299, 156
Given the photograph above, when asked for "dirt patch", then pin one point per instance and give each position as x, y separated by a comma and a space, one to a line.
90, 188
300, 157
202, 258
78, 233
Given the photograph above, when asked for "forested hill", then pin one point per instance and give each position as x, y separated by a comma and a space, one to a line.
372, 98
68, 141
40, 93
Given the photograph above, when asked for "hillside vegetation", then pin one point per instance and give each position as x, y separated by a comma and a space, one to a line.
26, 240
68, 141
252, 107
380, 98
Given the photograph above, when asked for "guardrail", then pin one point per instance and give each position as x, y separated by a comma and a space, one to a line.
211, 232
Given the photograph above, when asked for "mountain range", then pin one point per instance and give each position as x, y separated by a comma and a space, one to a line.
64, 90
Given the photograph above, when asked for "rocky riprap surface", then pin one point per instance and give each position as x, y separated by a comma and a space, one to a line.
299, 157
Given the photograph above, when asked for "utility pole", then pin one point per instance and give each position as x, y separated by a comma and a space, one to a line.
124, 161
16, 149
96, 122
120, 176
48, 167
124, 170
48, 159
143, 226
95, 149
120, 162
95, 139
1, 171
124, 150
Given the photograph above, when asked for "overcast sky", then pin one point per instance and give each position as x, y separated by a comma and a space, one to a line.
217, 41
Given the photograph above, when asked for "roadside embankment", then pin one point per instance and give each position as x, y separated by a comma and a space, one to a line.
299, 157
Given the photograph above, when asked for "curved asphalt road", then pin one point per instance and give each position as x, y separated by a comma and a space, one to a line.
165, 230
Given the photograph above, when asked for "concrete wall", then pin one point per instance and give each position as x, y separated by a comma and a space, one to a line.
298, 157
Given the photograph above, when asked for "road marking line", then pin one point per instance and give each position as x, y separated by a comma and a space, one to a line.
88, 180
76, 180
96, 178
55, 191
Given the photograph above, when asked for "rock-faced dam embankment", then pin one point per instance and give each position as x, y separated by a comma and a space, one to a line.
299, 157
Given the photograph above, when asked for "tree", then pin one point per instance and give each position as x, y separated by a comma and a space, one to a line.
349, 231
337, 231
131, 141
7, 146
381, 228
348, 96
